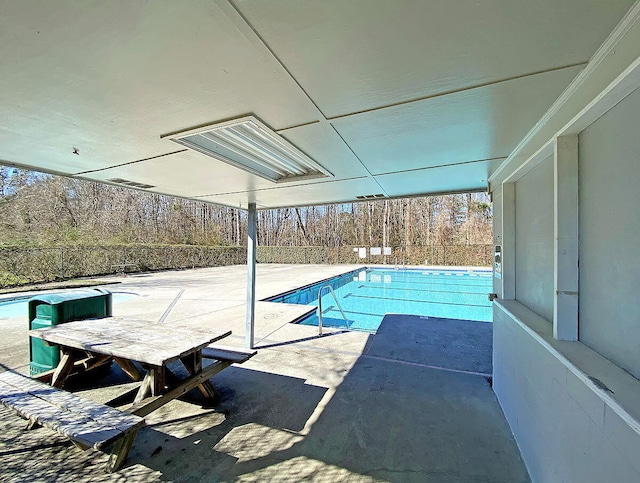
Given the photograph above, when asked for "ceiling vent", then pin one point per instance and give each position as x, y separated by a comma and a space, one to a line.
248, 144
370, 197
131, 184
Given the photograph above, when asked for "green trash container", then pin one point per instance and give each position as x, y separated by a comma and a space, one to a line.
57, 308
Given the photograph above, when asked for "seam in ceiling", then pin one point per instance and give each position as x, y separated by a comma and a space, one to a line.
262, 43
296, 126
258, 39
500, 158
455, 91
434, 96
130, 162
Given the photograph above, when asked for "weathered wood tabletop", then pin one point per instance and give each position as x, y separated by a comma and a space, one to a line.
151, 344
136, 340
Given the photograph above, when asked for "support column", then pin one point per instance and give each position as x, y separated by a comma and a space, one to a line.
508, 241
251, 275
565, 181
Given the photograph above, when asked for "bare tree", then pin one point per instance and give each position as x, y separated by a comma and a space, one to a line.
39, 209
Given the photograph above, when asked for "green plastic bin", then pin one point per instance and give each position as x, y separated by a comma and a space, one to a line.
53, 309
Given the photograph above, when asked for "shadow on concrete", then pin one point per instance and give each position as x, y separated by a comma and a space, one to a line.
391, 418
250, 399
296, 341
386, 421
449, 343
28, 449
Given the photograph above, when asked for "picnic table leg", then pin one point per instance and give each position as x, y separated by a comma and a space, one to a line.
64, 368
193, 364
152, 384
84, 363
151, 404
157, 380
120, 452
145, 389
209, 391
32, 424
129, 368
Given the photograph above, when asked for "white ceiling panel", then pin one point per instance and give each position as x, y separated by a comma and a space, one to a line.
443, 179
187, 174
110, 78
375, 91
323, 144
361, 54
473, 125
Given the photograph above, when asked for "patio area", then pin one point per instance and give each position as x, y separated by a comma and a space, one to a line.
411, 403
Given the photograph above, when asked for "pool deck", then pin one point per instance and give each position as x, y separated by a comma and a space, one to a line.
411, 403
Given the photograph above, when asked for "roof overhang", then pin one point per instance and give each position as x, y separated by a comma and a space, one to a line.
385, 98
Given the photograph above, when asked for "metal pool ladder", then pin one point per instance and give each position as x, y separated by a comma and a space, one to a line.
320, 307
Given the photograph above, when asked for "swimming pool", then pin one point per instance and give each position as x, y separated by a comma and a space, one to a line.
367, 295
19, 307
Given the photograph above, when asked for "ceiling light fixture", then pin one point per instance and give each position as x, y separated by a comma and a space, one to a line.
131, 184
250, 145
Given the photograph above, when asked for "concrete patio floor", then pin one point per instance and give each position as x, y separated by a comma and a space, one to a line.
411, 403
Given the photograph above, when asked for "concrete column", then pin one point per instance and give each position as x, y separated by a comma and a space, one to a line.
565, 181
251, 276
509, 241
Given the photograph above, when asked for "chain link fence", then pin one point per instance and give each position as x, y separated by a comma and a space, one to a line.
19, 266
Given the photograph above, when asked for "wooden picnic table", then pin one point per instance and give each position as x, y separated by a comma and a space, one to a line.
150, 344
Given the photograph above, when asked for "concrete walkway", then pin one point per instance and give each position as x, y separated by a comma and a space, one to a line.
412, 403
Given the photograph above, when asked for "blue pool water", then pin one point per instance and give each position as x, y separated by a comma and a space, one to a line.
19, 307
367, 295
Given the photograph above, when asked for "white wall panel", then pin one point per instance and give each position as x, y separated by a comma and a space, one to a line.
609, 197
534, 240
565, 430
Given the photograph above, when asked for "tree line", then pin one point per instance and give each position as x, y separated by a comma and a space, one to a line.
44, 210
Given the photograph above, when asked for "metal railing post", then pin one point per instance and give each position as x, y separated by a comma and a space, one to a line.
320, 307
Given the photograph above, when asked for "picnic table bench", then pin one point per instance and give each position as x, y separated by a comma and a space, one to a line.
87, 424
123, 266
127, 342
232, 355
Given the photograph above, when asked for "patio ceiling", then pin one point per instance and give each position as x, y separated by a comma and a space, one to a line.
395, 98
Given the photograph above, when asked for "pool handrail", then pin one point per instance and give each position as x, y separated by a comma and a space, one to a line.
320, 307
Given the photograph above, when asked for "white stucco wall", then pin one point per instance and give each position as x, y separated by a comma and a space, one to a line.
566, 428
574, 406
534, 239
609, 174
